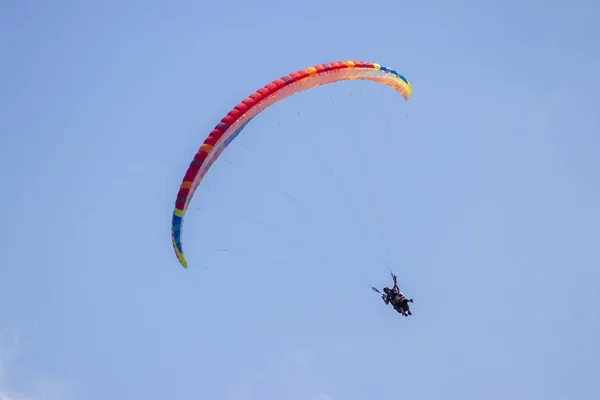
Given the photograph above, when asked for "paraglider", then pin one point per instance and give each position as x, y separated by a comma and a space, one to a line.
234, 122
396, 298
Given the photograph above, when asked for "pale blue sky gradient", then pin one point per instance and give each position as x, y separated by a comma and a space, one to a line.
481, 192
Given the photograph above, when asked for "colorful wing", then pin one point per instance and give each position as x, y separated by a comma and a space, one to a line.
232, 124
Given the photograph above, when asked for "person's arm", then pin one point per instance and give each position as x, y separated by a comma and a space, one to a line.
385, 300
395, 288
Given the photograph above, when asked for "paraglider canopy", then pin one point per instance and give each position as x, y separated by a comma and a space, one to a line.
232, 124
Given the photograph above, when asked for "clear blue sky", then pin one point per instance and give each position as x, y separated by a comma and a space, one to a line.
481, 192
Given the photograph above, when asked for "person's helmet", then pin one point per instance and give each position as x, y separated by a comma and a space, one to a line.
386, 290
